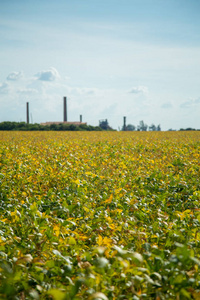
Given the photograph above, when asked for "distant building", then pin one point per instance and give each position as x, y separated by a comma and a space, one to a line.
65, 117
104, 125
67, 123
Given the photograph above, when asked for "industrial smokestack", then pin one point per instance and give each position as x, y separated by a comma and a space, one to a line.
27, 112
80, 118
65, 109
124, 128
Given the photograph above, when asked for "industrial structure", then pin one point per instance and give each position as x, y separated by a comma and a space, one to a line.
65, 109
104, 124
27, 112
124, 126
64, 116
68, 123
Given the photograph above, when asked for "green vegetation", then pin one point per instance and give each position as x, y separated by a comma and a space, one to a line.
107, 215
22, 126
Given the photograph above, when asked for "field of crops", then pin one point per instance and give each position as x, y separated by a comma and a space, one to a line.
100, 215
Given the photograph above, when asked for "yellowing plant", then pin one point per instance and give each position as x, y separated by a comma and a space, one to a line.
99, 215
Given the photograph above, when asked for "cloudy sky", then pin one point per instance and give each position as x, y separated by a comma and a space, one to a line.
111, 58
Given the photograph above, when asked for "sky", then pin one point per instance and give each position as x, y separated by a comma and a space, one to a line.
110, 58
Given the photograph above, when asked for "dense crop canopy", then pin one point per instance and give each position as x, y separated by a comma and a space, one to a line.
99, 215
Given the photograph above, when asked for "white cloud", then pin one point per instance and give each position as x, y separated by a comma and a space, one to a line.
4, 88
48, 75
138, 89
92, 101
190, 103
82, 91
166, 105
15, 76
26, 91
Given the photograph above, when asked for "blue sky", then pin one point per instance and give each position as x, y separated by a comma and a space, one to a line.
111, 58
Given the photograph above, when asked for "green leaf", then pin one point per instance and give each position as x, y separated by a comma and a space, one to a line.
57, 294
72, 241
185, 293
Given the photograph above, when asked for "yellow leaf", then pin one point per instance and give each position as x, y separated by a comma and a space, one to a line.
83, 237
112, 226
109, 200
107, 242
86, 209
100, 240
77, 181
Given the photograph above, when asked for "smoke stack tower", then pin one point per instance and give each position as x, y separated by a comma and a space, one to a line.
80, 118
65, 108
27, 112
124, 124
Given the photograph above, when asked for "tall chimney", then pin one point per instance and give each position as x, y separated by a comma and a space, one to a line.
80, 118
65, 109
27, 112
124, 128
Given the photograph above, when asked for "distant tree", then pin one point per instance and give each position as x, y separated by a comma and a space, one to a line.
158, 128
152, 127
20, 125
188, 129
171, 129
130, 127
72, 127
54, 127
7, 126
142, 126
34, 127
83, 127
97, 128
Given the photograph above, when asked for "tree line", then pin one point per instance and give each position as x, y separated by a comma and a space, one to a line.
22, 126
142, 127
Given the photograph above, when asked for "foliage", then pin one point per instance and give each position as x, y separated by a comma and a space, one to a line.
188, 129
141, 127
22, 126
130, 127
107, 215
